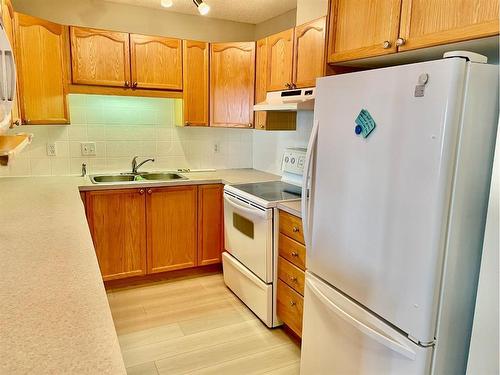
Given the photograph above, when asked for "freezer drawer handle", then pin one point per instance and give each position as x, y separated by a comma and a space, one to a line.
382, 339
249, 210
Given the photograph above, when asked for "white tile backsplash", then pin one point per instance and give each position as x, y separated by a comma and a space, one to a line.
123, 127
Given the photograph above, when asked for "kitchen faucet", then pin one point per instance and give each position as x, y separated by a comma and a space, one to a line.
136, 166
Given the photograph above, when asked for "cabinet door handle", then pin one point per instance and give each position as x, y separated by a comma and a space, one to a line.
387, 44
293, 279
127, 84
288, 85
27, 121
292, 303
134, 85
295, 254
187, 123
400, 42
250, 125
295, 230
16, 123
141, 191
150, 191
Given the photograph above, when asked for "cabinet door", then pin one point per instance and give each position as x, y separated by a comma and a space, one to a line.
210, 224
309, 53
260, 81
362, 28
41, 48
100, 57
232, 77
156, 62
195, 76
171, 228
8, 24
427, 23
117, 221
280, 60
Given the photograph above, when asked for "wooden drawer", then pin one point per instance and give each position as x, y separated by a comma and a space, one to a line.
291, 275
290, 307
292, 251
291, 226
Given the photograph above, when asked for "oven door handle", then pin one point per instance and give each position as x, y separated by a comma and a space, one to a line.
249, 210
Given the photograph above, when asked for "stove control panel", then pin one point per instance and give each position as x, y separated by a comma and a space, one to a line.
294, 160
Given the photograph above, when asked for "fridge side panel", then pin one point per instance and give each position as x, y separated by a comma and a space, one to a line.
467, 219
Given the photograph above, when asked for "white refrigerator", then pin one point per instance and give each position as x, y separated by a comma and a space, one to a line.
399, 165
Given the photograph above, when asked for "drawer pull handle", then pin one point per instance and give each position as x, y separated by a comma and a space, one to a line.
141, 191
292, 303
295, 229
295, 254
150, 191
293, 279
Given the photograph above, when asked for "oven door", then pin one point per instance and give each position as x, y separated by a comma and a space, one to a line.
248, 234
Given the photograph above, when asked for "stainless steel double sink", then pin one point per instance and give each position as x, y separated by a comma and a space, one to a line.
138, 177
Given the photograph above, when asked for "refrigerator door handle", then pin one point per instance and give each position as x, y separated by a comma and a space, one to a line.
374, 334
305, 206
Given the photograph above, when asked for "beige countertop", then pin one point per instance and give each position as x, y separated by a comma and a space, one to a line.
292, 207
54, 314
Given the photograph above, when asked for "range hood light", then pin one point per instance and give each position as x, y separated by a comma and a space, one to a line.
166, 3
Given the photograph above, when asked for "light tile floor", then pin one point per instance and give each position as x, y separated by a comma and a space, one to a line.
196, 326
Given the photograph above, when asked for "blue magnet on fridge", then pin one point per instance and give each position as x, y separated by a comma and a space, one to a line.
365, 124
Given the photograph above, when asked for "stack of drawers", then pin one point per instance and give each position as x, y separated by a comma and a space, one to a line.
291, 267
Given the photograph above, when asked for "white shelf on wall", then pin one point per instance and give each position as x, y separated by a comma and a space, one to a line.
11, 145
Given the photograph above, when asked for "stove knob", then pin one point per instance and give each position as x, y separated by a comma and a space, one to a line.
293, 160
287, 159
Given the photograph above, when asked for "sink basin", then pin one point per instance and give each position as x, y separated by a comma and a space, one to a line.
163, 176
112, 178
141, 177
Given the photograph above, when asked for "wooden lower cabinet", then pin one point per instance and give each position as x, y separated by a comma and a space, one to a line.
171, 228
210, 224
151, 230
290, 307
117, 221
291, 275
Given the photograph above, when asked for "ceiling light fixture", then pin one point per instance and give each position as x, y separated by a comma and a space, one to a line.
166, 3
203, 7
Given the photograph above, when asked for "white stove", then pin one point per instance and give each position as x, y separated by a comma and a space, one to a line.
251, 233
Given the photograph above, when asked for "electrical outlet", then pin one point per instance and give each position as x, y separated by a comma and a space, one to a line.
216, 147
51, 149
88, 148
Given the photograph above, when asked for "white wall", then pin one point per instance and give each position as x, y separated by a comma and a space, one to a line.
123, 127
484, 347
308, 10
276, 24
268, 146
134, 19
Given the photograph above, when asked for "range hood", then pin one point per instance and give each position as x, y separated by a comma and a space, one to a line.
288, 101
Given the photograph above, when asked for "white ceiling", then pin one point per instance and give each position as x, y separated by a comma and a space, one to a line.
250, 11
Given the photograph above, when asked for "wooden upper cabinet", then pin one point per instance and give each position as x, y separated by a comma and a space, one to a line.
156, 62
427, 23
280, 60
232, 76
362, 28
100, 57
41, 52
309, 53
8, 24
260, 81
195, 77
117, 221
210, 224
171, 228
